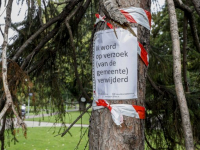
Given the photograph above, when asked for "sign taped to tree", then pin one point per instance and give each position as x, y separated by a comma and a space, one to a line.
115, 64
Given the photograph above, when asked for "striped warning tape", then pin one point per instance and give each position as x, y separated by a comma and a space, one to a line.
120, 110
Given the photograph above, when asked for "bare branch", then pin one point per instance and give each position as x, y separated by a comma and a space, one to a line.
188, 10
19, 120
196, 4
75, 11
3, 111
1, 31
79, 117
4, 60
9, 101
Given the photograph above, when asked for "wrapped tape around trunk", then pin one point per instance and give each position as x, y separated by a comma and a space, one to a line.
120, 110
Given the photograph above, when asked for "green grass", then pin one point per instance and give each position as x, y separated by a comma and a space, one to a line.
69, 118
43, 139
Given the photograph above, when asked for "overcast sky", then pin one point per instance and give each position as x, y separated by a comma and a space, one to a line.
17, 17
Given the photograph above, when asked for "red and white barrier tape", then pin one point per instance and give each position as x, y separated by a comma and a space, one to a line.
137, 15
143, 54
133, 15
120, 110
99, 18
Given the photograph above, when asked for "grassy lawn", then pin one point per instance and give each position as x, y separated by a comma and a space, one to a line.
69, 118
43, 139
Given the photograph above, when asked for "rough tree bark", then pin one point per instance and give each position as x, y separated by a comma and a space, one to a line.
178, 79
103, 133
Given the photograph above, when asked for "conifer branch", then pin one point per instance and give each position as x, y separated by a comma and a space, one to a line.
154, 85
74, 59
73, 123
58, 18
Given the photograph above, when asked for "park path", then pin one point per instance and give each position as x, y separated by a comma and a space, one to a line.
43, 124
48, 124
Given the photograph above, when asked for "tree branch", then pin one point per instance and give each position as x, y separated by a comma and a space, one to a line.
149, 144
74, 59
196, 4
39, 46
62, 134
3, 111
38, 65
52, 34
1, 31
19, 120
9, 101
60, 18
154, 85
179, 4
4, 60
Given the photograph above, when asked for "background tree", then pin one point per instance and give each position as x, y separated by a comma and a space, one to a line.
189, 144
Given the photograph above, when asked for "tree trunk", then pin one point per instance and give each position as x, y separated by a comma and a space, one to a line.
185, 24
103, 133
178, 79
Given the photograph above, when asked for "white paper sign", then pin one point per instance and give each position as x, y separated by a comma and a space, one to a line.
115, 64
